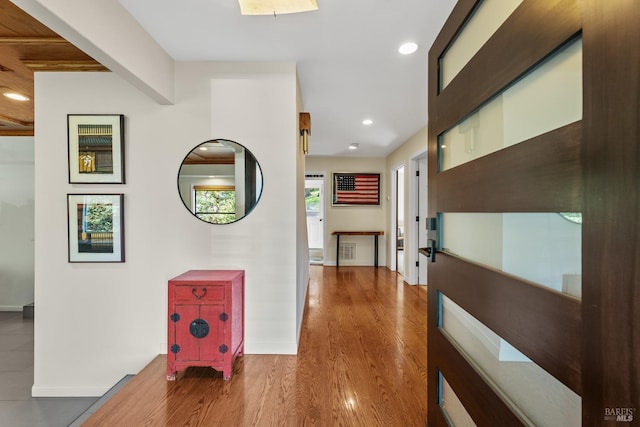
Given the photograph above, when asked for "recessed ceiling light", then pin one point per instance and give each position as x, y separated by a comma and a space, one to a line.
367, 122
203, 148
16, 96
408, 48
353, 146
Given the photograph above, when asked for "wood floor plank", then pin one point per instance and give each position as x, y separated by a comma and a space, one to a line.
361, 362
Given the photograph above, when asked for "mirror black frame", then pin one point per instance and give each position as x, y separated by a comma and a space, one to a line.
225, 153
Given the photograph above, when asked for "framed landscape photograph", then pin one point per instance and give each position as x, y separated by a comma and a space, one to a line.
96, 227
96, 148
353, 189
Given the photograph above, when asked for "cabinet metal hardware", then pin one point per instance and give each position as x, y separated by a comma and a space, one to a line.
195, 294
199, 328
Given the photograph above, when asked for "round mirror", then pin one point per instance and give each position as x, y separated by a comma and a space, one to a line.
220, 181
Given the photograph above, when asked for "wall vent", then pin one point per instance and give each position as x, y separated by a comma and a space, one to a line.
348, 250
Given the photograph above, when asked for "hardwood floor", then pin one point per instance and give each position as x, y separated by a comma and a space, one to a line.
361, 362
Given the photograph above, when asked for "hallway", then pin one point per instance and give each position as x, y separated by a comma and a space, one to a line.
361, 362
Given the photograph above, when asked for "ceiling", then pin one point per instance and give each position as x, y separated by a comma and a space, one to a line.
348, 65
27, 46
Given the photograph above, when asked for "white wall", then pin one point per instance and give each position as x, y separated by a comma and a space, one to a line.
97, 322
357, 218
16, 222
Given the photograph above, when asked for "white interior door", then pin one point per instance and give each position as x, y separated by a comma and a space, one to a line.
314, 201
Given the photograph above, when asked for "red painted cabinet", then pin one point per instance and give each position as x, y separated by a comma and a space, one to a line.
206, 320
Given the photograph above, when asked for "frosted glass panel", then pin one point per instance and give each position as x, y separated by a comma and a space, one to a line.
486, 19
547, 98
532, 392
453, 409
545, 248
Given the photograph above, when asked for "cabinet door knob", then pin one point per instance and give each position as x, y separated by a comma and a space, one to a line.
195, 294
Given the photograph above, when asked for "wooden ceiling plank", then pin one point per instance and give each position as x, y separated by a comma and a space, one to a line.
63, 65
23, 40
12, 121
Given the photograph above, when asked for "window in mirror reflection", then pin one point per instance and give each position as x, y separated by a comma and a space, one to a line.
220, 181
215, 204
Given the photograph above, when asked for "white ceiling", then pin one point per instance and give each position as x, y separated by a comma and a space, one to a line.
348, 65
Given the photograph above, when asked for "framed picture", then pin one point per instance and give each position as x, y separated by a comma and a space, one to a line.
96, 227
356, 189
96, 148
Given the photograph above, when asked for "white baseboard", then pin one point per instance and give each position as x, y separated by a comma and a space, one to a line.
271, 348
10, 308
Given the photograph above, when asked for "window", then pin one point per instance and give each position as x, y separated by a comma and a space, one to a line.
215, 204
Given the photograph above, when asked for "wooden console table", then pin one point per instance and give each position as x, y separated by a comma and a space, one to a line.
375, 235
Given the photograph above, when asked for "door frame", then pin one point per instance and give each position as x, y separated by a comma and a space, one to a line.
415, 200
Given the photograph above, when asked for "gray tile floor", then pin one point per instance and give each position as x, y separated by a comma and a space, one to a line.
17, 407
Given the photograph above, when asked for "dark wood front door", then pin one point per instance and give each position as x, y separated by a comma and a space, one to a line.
582, 335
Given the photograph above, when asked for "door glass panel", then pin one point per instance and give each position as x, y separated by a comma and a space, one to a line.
542, 247
484, 21
547, 98
531, 391
453, 409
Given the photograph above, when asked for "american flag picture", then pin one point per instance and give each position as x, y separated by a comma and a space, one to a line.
356, 188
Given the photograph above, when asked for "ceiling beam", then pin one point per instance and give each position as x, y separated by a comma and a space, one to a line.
143, 62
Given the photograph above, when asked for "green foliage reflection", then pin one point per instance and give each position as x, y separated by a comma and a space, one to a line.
216, 206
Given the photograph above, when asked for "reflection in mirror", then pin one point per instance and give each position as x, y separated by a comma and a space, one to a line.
572, 216
220, 181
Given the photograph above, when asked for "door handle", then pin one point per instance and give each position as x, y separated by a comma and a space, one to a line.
432, 228
431, 250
